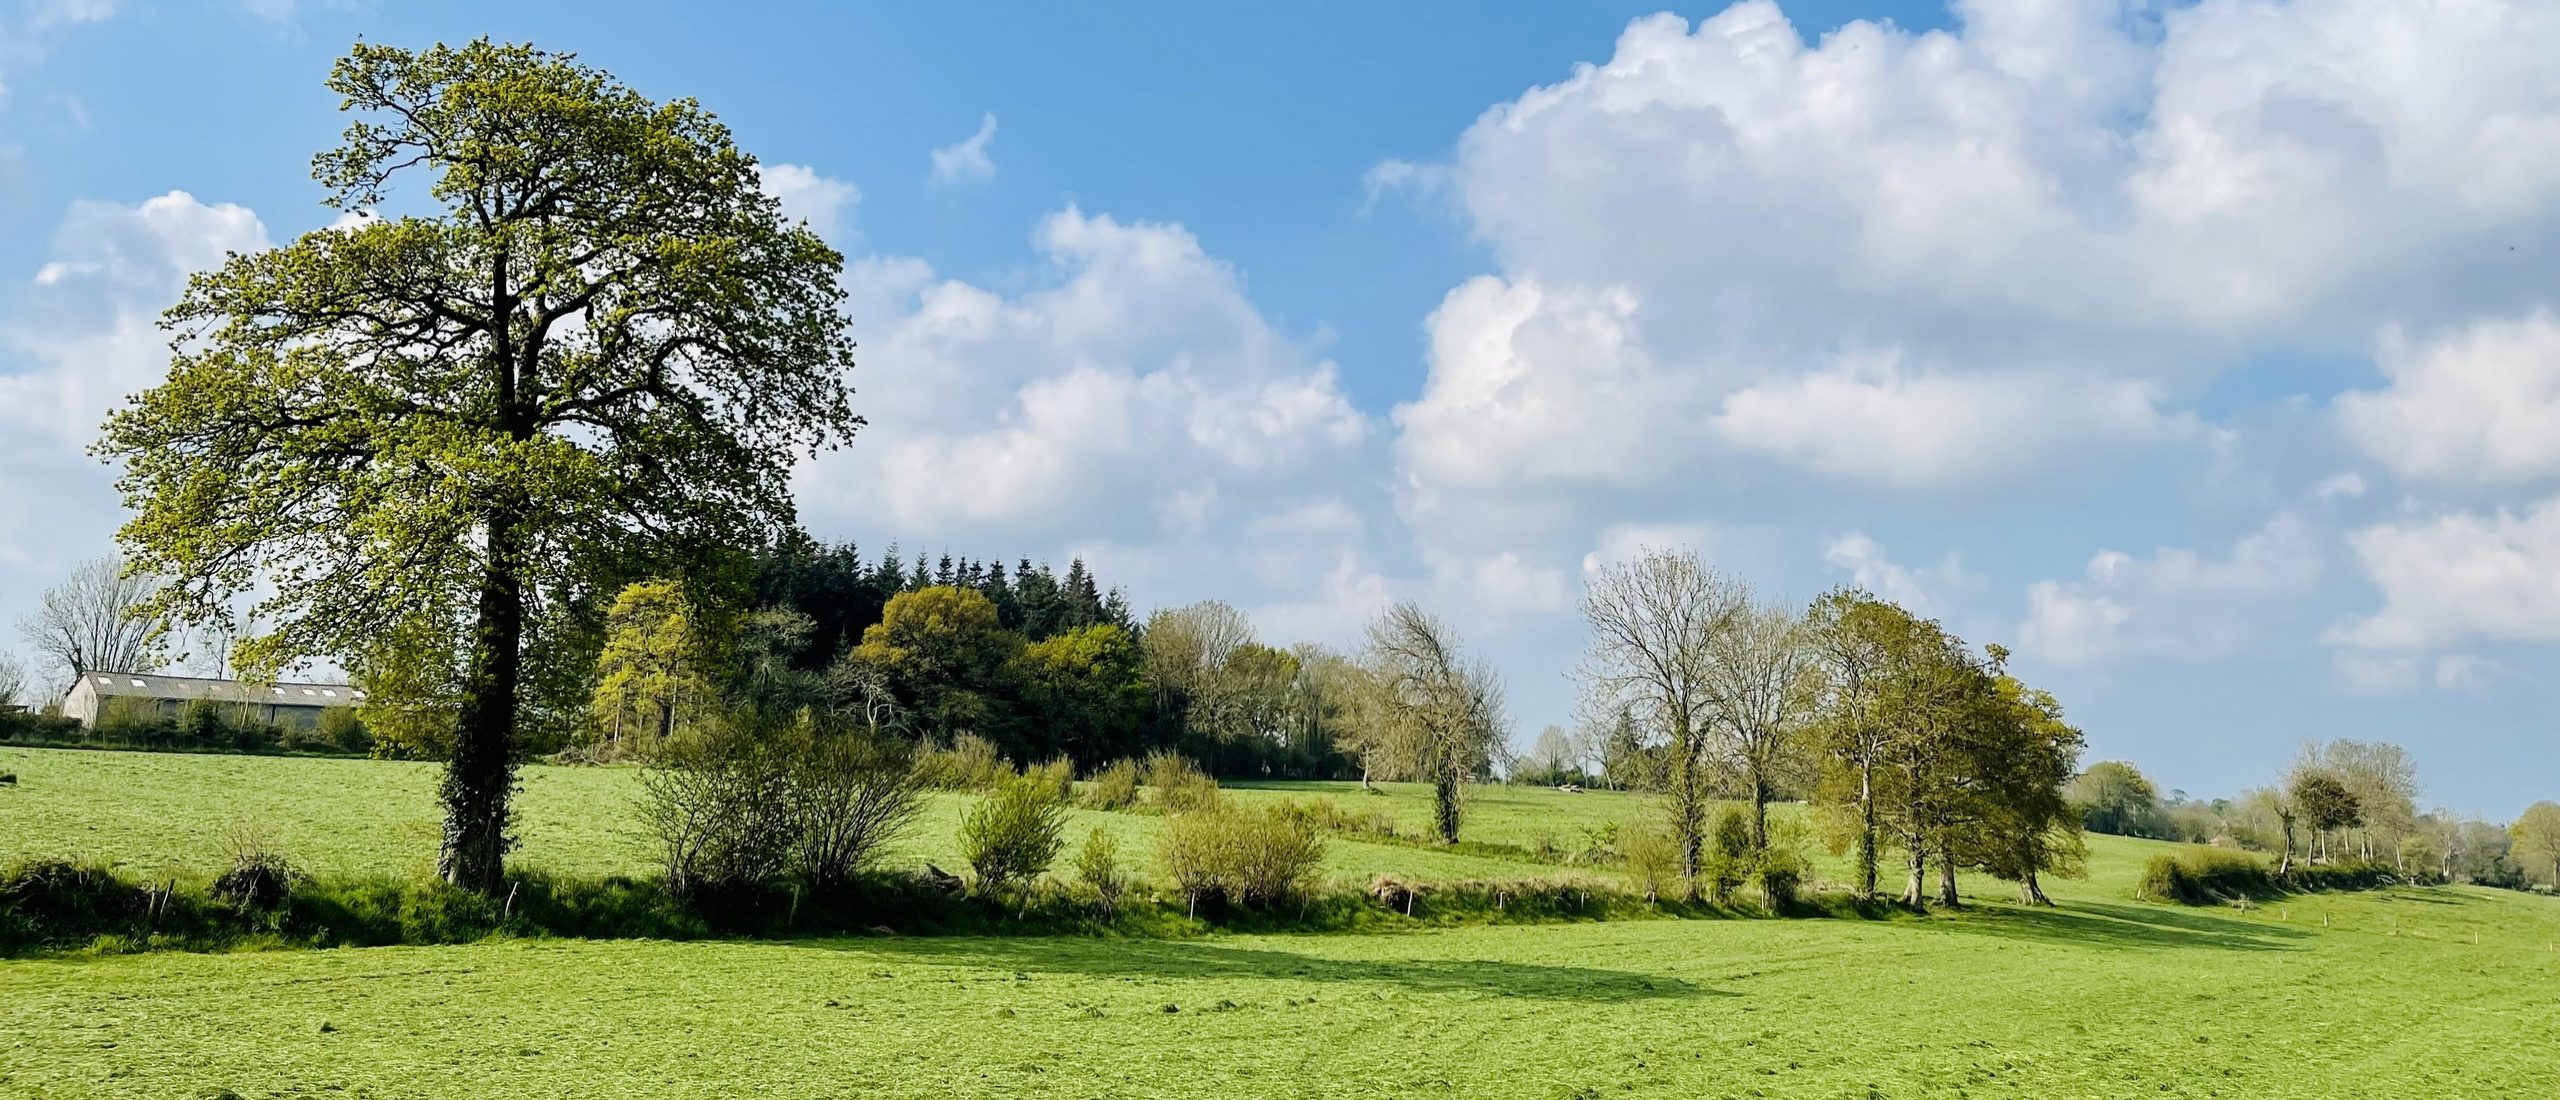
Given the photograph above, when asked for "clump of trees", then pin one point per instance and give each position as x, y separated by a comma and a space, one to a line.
1906, 738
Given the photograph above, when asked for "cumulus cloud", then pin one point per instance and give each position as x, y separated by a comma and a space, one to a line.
1940, 259
1132, 402
1926, 590
825, 203
2460, 576
2175, 603
966, 160
2479, 406
86, 336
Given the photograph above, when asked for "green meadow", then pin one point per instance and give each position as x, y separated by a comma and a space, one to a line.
2403, 992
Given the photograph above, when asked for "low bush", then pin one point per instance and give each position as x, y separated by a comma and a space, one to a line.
259, 878
2201, 876
1098, 868
1729, 860
1176, 783
971, 763
1229, 854
1059, 775
2342, 876
1014, 833
1115, 787
1653, 862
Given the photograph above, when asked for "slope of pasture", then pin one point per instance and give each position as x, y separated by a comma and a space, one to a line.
2392, 997
170, 813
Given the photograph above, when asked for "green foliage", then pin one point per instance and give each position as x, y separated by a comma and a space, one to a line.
1014, 833
649, 682
1115, 787
1059, 775
1653, 862
1098, 868
1177, 785
2200, 876
597, 341
946, 655
1085, 691
1729, 860
969, 764
1225, 853
2114, 797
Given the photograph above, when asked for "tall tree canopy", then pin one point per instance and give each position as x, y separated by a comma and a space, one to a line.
600, 340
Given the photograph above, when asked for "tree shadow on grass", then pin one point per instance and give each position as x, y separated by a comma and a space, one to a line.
1192, 959
2113, 925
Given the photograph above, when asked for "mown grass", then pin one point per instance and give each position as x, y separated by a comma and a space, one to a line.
2400, 992
157, 814
2097, 1000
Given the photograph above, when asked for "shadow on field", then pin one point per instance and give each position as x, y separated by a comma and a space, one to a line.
2114, 925
1177, 959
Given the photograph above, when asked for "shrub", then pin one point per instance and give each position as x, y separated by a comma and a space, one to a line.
342, 731
1599, 843
1115, 787
1059, 775
2200, 875
1653, 861
1098, 867
1240, 856
718, 798
852, 791
58, 901
1014, 833
1179, 785
970, 764
259, 878
1729, 860
2341, 876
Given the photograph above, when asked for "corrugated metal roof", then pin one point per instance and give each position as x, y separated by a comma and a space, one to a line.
147, 686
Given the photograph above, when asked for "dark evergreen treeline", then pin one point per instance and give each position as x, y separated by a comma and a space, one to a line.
843, 594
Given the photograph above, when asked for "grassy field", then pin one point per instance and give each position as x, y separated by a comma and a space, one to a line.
2407, 992
168, 813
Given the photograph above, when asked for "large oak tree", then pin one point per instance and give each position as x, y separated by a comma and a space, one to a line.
585, 334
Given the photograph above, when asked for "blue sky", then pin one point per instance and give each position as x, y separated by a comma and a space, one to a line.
2201, 353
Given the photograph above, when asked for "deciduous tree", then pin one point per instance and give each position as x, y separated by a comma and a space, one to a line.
1654, 622
1452, 705
101, 618
599, 337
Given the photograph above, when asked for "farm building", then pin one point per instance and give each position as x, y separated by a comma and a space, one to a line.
293, 705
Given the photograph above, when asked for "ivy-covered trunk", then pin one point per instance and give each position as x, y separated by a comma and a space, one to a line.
1866, 830
482, 773
1445, 795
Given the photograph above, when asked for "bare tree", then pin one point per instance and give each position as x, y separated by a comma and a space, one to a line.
1762, 675
1187, 647
1654, 622
1451, 706
13, 677
93, 621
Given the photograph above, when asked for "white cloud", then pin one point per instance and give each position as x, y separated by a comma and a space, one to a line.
825, 203
1945, 259
2460, 576
85, 337
2476, 406
2175, 604
2345, 485
1926, 591
1878, 425
966, 161
1135, 399
2378, 675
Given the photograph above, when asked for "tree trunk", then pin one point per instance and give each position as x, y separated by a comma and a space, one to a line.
1866, 831
1759, 812
2284, 866
1916, 863
2031, 892
481, 775
1686, 812
1947, 878
1444, 795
